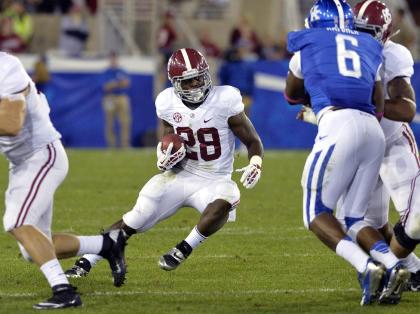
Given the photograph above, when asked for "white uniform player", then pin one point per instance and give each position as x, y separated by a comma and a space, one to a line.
401, 162
205, 174
38, 165
199, 173
38, 144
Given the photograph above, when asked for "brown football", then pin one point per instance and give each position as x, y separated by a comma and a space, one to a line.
172, 138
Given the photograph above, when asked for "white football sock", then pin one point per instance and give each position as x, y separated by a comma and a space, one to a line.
195, 238
352, 253
90, 244
381, 252
54, 273
412, 262
93, 258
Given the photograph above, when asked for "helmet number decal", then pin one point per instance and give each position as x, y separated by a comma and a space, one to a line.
347, 57
208, 139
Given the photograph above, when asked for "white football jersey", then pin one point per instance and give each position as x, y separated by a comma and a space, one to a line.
209, 141
398, 62
37, 130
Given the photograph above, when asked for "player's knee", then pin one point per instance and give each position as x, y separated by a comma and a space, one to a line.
143, 216
403, 239
24, 253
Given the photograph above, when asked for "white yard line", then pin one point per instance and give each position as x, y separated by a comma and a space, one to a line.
194, 293
218, 256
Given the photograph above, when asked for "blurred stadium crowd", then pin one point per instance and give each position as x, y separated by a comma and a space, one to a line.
232, 34
175, 23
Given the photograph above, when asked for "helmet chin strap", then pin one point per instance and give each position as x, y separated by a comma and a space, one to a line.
394, 34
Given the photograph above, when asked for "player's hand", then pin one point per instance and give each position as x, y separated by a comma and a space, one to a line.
166, 160
251, 173
306, 114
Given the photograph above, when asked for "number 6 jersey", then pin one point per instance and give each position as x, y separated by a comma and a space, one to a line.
209, 141
340, 66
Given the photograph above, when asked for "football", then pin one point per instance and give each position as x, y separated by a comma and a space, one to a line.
172, 138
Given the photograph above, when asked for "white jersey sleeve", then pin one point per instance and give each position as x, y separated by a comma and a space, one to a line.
37, 130
13, 77
236, 106
398, 62
295, 67
163, 104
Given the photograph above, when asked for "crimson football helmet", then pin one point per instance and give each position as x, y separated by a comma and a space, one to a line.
186, 64
373, 17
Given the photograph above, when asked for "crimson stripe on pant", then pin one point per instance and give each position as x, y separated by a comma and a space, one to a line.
36, 183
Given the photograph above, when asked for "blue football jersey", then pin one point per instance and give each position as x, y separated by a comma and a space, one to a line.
339, 67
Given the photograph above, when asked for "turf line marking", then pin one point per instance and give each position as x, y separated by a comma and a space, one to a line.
196, 293
218, 256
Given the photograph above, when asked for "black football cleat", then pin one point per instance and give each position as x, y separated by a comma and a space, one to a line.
175, 256
115, 255
81, 268
63, 296
413, 283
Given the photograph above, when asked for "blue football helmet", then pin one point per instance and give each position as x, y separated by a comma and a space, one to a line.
330, 13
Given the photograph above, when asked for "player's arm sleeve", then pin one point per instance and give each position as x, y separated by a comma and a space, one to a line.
236, 105
15, 79
295, 65
402, 64
161, 107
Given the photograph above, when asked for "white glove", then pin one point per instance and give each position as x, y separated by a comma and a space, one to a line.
166, 160
306, 114
251, 173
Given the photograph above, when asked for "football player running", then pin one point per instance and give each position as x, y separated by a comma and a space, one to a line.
401, 161
199, 173
335, 69
37, 166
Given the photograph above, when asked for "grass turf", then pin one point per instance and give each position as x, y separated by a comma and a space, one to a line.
265, 262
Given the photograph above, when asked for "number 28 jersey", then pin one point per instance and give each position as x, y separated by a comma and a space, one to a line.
209, 141
339, 66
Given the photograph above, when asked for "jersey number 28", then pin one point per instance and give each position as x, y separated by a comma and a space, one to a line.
346, 57
207, 137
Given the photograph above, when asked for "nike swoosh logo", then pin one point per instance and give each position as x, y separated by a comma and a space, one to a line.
322, 137
180, 258
205, 121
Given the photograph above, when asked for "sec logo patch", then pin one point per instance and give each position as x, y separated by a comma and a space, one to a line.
177, 117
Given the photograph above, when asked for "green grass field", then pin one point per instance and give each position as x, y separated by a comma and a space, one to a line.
265, 262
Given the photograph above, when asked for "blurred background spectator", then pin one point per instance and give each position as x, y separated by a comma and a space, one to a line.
41, 74
210, 48
166, 39
21, 21
166, 36
116, 104
244, 38
9, 40
74, 32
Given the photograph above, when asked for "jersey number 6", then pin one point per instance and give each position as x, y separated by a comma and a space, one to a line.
344, 54
207, 137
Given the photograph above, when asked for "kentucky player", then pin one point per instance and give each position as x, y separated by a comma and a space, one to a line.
199, 174
335, 69
37, 166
